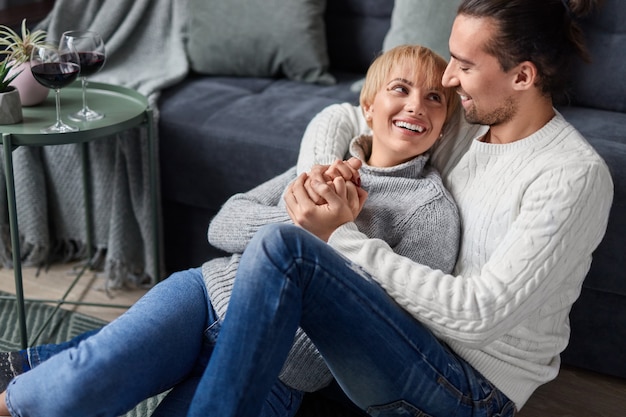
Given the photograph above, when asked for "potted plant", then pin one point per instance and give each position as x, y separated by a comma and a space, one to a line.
17, 49
10, 104
6, 75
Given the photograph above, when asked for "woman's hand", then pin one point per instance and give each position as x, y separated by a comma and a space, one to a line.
348, 170
343, 201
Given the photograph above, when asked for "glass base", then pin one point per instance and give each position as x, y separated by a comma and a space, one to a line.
59, 127
85, 115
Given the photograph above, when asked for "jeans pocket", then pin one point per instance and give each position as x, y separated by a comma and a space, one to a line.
508, 410
212, 332
398, 408
208, 343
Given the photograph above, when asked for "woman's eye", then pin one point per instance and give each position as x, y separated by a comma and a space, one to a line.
399, 89
435, 97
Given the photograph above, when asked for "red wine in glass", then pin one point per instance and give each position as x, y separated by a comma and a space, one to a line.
55, 74
55, 66
90, 48
90, 63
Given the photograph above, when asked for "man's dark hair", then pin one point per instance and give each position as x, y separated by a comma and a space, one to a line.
544, 32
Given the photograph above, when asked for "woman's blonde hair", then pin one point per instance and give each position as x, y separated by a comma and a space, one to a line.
427, 65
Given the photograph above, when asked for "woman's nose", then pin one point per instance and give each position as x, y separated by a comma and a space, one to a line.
414, 105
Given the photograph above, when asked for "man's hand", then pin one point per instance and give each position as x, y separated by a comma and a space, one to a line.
343, 203
348, 170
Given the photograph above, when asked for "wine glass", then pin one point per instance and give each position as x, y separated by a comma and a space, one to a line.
55, 66
90, 48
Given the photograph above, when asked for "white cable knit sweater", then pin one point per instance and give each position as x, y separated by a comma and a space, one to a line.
532, 213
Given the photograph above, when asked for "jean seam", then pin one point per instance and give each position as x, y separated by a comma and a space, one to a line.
484, 403
375, 308
33, 357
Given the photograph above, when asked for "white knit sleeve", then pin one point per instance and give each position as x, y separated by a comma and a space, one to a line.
543, 255
328, 135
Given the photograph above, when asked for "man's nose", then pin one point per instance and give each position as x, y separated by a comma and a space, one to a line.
449, 78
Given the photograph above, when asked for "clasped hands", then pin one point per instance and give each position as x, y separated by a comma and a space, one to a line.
327, 197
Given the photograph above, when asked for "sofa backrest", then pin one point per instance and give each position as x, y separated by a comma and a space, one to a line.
355, 30
602, 83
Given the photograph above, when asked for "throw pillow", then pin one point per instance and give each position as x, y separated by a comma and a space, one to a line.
259, 38
423, 22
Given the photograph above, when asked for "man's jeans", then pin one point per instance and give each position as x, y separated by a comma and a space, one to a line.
387, 362
165, 340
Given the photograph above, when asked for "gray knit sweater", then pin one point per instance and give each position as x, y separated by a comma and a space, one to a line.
407, 207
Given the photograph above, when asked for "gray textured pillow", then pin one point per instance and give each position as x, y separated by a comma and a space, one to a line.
259, 38
424, 22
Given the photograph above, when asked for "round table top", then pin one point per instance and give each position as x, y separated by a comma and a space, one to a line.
123, 109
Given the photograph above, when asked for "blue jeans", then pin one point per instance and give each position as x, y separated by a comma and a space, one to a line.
164, 341
387, 362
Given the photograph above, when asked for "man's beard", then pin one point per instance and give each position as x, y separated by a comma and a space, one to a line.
500, 115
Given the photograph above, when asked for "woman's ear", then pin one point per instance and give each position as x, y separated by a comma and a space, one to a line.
367, 111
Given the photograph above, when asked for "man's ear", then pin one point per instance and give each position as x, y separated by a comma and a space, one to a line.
525, 76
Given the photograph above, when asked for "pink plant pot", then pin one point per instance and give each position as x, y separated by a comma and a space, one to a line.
31, 92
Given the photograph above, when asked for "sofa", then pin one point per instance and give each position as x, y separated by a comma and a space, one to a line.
597, 108
222, 133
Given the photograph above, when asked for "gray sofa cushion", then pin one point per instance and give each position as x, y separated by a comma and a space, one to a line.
424, 22
241, 132
259, 38
602, 84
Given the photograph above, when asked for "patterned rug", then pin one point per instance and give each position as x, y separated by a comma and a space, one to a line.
63, 326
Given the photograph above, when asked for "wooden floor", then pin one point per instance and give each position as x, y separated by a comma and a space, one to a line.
575, 393
578, 393
53, 283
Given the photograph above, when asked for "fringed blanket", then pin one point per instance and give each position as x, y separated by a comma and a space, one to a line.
144, 42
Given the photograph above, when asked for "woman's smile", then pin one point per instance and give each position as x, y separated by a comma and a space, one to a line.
409, 126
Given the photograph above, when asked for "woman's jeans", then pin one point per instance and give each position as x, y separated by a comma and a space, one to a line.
165, 340
387, 362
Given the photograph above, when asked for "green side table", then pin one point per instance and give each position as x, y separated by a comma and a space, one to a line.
124, 109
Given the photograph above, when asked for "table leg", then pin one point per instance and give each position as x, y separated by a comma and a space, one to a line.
152, 155
15, 237
84, 152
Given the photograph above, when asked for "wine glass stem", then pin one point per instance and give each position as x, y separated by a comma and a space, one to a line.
84, 82
57, 97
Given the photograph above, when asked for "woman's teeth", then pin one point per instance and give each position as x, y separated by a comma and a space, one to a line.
409, 126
